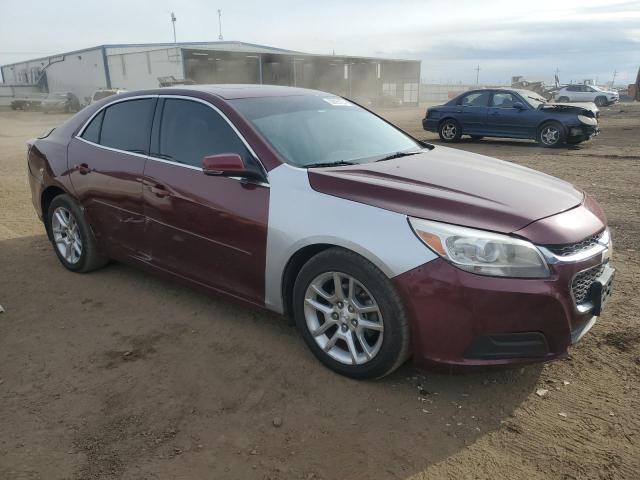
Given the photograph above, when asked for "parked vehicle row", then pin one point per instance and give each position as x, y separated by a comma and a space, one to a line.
66, 102
379, 246
511, 113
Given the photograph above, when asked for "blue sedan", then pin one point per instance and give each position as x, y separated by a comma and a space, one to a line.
510, 113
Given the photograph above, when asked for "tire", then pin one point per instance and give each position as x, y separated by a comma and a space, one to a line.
551, 134
600, 101
450, 130
386, 339
563, 99
476, 137
87, 256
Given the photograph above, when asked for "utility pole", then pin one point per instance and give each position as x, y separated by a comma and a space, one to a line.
173, 22
557, 79
615, 72
477, 69
220, 37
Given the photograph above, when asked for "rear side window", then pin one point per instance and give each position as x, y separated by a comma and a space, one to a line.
127, 125
191, 130
92, 132
476, 99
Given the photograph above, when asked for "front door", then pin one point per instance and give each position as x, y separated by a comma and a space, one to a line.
106, 167
209, 229
504, 119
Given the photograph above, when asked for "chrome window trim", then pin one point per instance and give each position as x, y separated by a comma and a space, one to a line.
104, 147
170, 162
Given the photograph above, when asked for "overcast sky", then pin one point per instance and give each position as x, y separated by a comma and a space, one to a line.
583, 38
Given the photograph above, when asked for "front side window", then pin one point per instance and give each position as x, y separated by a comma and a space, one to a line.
127, 125
312, 130
476, 99
190, 130
503, 100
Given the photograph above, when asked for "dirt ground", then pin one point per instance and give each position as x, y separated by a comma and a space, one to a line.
117, 374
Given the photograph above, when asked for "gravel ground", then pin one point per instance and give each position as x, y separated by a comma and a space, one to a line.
118, 374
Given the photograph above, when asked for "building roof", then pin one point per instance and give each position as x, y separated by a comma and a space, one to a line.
224, 45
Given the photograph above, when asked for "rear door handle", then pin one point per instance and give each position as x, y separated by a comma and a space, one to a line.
159, 190
83, 168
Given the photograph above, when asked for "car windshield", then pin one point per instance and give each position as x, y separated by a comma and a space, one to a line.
322, 130
532, 98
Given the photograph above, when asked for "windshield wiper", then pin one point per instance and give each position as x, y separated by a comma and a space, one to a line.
398, 155
329, 164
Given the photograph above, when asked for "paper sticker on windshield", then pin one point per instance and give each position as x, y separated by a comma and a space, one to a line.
338, 102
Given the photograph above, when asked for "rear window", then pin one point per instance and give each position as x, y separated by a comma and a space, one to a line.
127, 125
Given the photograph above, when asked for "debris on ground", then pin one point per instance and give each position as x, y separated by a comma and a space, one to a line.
277, 422
541, 392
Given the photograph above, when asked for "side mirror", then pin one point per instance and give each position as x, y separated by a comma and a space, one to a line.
518, 106
227, 165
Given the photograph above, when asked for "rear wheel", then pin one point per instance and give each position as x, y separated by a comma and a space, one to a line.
563, 99
71, 236
350, 315
551, 134
450, 130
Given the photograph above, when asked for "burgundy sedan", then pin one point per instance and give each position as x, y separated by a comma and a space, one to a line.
379, 246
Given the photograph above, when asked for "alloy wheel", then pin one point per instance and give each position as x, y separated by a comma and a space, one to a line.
449, 131
550, 135
66, 235
343, 318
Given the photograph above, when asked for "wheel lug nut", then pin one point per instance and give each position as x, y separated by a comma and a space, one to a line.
340, 305
354, 322
344, 327
334, 315
350, 309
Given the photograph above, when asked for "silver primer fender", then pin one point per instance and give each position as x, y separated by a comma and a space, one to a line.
299, 216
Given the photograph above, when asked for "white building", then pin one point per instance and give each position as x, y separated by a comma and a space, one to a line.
138, 66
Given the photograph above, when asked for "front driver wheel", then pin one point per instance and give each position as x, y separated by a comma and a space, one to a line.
601, 101
450, 131
350, 316
71, 236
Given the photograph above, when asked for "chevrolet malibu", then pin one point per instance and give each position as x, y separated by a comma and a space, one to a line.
379, 246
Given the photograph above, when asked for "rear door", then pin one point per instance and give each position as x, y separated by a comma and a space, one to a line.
106, 163
506, 120
471, 111
209, 229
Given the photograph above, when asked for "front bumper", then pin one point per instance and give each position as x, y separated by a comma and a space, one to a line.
460, 318
582, 133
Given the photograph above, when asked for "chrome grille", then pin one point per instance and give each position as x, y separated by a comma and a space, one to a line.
581, 284
573, 248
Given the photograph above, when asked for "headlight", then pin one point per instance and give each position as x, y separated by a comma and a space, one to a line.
482, 252
587, 120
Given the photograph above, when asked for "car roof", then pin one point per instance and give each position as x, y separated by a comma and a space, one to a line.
234, 91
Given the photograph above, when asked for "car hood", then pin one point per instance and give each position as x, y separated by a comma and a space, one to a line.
452, 186
577, 108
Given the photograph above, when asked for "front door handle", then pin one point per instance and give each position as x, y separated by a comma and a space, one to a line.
159, 190
83, 168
